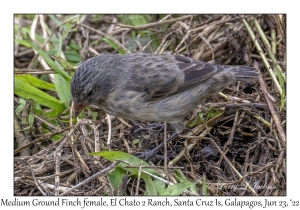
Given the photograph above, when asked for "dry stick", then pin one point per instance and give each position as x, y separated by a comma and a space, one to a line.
232, 167
34, 71
107, 169
45, 34
258, 56
32, 36
233, 128
139, 179
57, 157
163, 42
23, 53
272, 110
124, 122
107, 36
263, 57
47, 123
49, 135
97, 140
123, 138
189, 147
236, 105
230, 139
279, 28
149, 25
165, 149
37, 182
206, 28
259, 118
216, 48
164, 18
108, 118
86, 170
207, 42
155, 167
279, 160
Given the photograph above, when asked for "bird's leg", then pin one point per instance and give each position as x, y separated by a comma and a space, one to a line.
148, 154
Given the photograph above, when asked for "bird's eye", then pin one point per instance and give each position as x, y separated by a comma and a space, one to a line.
90, 93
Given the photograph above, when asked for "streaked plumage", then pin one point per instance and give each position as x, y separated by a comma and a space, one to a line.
151, 87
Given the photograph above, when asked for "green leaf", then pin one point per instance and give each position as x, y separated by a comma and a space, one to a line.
71, 56
204, 117
65, 64
28, 78
282, 85
159, 186
180, 177
19, 108
22, 103
134, 20
150, 186
53, 64
204, 186
32, 110
97, 17
198, 120
52, 113
118, 155
94, 115
63, 90
27, 91
114, 45
177, 189
25, 43
116, 177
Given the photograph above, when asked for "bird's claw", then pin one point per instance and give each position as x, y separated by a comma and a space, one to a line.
155, 126
146, 155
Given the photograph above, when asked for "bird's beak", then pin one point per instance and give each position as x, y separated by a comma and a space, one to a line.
78, 108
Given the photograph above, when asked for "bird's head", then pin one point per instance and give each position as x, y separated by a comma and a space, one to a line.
90, 85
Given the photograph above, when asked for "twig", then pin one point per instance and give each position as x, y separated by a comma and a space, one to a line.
34, 71
272, 110
107, 169
232, 167
108, 119
189, 147
206, 27
107, 36
165, 149
138, 179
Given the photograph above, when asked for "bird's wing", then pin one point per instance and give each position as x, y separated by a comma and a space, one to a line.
168, 75
195, 72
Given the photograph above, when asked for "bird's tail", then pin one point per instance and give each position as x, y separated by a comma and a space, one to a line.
244, 73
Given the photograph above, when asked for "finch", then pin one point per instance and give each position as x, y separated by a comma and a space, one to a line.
151, 87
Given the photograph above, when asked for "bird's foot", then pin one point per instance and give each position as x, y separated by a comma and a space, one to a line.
151, 153
148, 155
159, 127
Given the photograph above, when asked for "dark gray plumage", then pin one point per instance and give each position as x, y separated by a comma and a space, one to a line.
151, 87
